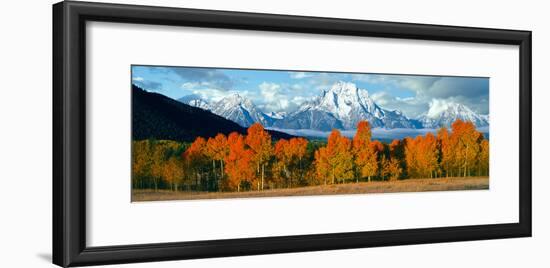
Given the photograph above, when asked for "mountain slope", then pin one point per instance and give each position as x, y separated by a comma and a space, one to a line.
343, 106
157, 116
195, 101
446, 114
240, 110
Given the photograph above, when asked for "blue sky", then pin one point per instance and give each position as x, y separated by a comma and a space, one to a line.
286, 90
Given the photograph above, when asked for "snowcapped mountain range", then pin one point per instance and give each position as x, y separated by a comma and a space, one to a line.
241, 110
446, 115
196, 101
341, 106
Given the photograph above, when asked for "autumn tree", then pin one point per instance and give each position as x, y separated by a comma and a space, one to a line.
217, 150
283, 158
259, 141
377, 146
195, 158
428, 155
173, 172
336, 159
239, 162
157, 166
298, 150
392, 169
466, 141
141, 163
447, 155
322, 167
421, 155
149, 158
483, 166
397, 154
411, 155
391, 166
289, 155
365, 155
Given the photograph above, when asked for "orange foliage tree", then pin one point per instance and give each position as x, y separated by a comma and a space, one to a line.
421, 155
322, 166
446, 150
283, 158
217, 150
390, 168
483, 167
466, 141
239, 162
298, 148
288, 154
397, 154
173, 172
411, 155
427, 156
365, 154
195, 157
259, 142
336, 160
248, 161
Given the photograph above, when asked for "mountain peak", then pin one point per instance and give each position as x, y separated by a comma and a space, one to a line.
437, 108
237, 99
343, 105
443, 113
343, 87
196, 101
241, 110
277, 115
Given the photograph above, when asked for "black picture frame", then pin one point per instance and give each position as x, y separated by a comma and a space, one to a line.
69, 133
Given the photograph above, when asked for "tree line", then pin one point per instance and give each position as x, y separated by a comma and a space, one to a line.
254, 161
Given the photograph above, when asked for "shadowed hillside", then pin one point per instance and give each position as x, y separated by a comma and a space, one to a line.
157, 116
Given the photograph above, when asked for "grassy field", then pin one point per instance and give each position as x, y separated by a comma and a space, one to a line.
410, 185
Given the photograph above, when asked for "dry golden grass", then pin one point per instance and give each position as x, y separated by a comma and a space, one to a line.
409, 185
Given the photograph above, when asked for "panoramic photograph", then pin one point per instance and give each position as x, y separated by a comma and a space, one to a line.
211, 133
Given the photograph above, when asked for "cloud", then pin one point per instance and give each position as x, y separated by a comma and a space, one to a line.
472, 92
148, 85
377, 133
410, 106
275, 97
201, 85
412, 94
437, 106
269, 91
212, 78
408, 82
299, 75
322, 81
447, 87
435, 86
213, 95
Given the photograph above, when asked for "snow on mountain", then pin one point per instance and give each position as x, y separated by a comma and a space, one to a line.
196, 101
485, 116
240, 110
342, 106
444, 114
277, 115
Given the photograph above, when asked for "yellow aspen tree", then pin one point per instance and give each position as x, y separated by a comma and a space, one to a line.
259, 142
365, 157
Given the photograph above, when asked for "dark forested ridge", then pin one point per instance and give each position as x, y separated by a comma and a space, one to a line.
159, 117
